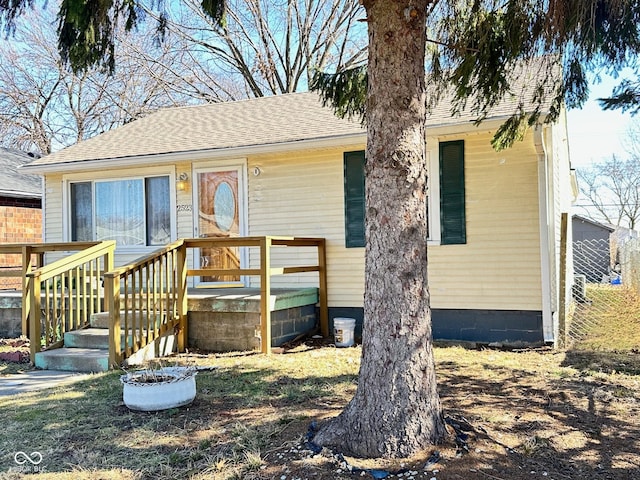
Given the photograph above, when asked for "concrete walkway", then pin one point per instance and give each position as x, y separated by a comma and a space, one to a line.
34, 380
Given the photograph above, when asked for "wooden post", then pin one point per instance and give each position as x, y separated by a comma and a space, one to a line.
27, 267
562, 300
265, 295
324, 306
35, 329
112, 304
183, 304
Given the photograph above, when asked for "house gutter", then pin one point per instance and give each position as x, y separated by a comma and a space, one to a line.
549, 318
356, 139
15, 194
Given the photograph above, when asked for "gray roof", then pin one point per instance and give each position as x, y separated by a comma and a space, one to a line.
579, 218
258, 122
245, 123
14, 183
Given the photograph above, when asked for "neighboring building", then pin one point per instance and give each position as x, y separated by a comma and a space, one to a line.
285, 165
592, 255
20, 207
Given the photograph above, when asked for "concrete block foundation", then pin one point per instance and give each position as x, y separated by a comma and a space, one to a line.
228, 320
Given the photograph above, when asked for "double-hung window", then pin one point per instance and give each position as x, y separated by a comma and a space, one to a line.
449, 204
131, 211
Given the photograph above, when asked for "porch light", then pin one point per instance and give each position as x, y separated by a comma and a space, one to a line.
182, 183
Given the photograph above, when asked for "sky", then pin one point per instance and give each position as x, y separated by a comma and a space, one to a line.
595, 134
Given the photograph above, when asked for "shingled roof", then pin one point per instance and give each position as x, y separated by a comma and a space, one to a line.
246, 123
255, 123
14, 183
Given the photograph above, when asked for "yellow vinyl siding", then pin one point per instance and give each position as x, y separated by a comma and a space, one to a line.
499, 266
301, 194
52, 209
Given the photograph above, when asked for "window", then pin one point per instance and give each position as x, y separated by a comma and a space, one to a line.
451, 199
354, 199
452, 194
133, 212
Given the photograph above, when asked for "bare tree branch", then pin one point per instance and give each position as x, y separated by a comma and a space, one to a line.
611, 188
269, 47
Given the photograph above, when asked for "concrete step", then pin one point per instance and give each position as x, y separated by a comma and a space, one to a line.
73, 360
101, 320
97, 338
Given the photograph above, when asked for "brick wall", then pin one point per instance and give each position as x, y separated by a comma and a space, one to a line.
18, 224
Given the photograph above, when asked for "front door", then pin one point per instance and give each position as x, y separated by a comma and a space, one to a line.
219, 215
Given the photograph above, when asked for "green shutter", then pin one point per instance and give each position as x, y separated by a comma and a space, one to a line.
452, 197
354, 199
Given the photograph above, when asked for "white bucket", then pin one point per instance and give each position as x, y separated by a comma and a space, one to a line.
343, 331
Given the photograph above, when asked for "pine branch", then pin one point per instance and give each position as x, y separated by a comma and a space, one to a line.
345, 91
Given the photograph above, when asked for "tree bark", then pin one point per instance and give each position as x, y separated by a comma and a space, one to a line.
396, 410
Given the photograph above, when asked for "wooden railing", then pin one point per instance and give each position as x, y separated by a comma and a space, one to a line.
146, 299
29, 258
266, 271
149, 297
62, 296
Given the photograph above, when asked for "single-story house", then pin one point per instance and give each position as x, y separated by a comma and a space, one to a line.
285, 165
20, 208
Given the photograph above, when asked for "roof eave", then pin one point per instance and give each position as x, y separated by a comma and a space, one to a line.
346, 140
16, 194
488, 124
191, 155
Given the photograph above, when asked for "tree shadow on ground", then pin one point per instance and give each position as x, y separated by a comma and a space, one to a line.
567, 427
238, 414
604, 361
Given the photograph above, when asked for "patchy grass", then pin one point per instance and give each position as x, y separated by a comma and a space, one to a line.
531, 411
615, 319
611, 343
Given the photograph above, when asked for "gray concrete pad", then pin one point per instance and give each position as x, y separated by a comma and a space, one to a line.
33, 380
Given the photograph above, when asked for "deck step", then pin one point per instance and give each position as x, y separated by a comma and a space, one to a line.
101, 319
93, 338
73, 360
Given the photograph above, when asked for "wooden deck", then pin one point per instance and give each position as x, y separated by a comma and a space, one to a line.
151, 295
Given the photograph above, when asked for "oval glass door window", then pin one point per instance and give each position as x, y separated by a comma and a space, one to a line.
224, 205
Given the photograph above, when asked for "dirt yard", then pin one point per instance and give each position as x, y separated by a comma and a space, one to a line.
519, 415
533, 414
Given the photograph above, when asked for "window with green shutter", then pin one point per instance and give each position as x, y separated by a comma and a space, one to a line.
452, 194
354, 199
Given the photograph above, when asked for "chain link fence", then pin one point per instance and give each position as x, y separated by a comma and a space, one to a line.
606, 279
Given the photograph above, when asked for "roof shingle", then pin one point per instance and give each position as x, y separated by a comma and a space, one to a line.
14, 183
254, 122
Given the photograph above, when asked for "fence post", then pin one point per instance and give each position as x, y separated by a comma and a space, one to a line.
183, 301
112, 304
35, 328
27, 267
562, 314
109, 260
323, 294
265, 295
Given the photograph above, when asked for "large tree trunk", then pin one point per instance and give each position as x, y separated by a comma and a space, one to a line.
396, 409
